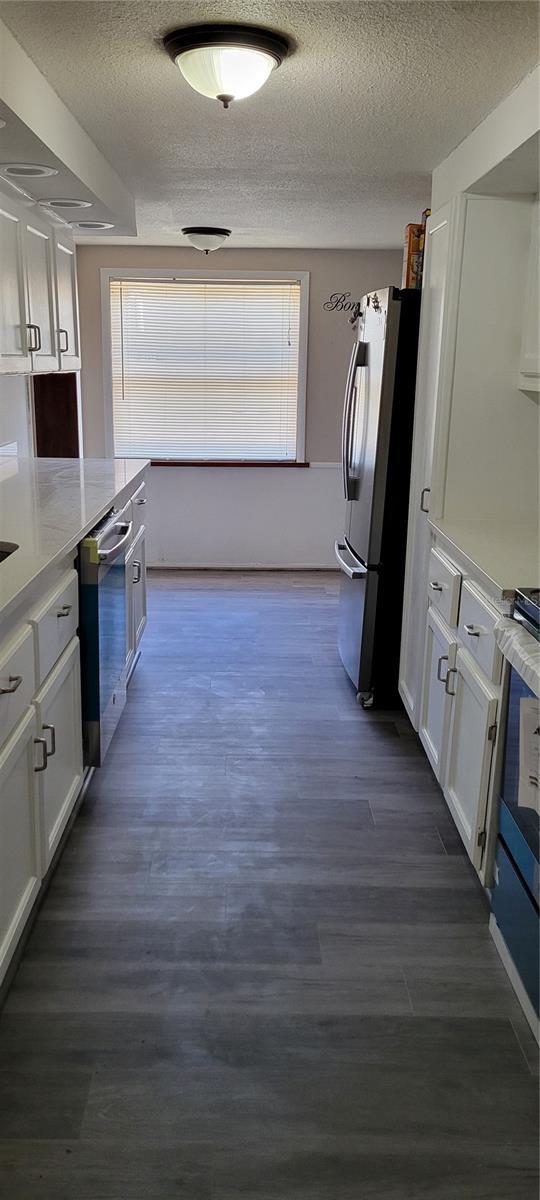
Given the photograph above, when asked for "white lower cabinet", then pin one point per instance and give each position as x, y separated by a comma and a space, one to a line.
470, 751
58, 707
20, 853
135, 596
439, 658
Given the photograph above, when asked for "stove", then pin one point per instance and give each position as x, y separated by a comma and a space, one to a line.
527, 609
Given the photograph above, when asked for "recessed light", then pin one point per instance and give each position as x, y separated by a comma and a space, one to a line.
226, 62
91, 224
26, 170
2, 124
66, 203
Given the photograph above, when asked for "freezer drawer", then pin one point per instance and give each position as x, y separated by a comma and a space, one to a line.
357, 611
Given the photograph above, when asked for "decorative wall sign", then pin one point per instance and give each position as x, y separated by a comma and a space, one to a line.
342, 302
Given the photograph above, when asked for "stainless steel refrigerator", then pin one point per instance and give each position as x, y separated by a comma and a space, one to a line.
376, 454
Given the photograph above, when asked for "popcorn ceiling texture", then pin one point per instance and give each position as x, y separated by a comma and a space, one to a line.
335, 151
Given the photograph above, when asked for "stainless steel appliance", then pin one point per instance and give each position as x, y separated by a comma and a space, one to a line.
103, 631
515, 897
376, 456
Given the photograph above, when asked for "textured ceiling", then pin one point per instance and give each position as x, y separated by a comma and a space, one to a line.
336, 150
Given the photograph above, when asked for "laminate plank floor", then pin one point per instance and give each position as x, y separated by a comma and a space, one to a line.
263, 967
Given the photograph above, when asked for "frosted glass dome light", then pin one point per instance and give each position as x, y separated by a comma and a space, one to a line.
206, 237
225, 62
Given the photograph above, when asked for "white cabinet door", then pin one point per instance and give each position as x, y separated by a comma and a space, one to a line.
58, 706
67, 308
130, 621
439, 657
470, 750
20, 859
432, 316
139, 586
41, 314
14, 352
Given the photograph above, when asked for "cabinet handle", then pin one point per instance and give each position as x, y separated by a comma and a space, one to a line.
37, 345
14, 682
450, 671
63, 349
435, 587
41, 741
425, 492
137, 571
471, 631
143, 500
52, 732
64, 611
443, 658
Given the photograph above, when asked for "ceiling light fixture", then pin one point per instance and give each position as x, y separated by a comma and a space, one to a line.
91, 225
66, 203
206, 237
26, 170
226, 62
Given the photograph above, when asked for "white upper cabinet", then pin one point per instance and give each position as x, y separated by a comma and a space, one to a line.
41, 306
14, 349
529, 366
434, 293
39, 315
67, 328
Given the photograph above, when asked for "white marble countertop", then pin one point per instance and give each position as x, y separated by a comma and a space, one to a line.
47, 505
505, 553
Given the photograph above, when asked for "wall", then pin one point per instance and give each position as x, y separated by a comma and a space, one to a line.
14, 415
246, 516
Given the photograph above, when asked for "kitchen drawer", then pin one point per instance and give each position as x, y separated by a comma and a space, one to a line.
444, 585
17, 678
138, 505
477, 620
55, 622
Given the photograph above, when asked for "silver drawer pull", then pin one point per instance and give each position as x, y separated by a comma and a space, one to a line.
14, 682
40, 741
450, 671
137, 570
50, 729
143, 500
472, 630
423, 506
63, 348
64, 611
443, 658
435, 587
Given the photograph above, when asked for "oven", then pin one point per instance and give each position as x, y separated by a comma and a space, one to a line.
103, 625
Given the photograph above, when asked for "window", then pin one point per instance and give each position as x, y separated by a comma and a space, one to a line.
207, 369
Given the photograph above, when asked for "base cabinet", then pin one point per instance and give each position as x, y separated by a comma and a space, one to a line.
470, 751
20, 854
135, 596
58, 708
439, 658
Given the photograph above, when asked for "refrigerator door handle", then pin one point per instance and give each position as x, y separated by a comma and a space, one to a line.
353, 569
357, 360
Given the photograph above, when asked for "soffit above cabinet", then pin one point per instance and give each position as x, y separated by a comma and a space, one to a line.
40, 129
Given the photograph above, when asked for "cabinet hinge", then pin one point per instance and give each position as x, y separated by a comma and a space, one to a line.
481, 839
492, 732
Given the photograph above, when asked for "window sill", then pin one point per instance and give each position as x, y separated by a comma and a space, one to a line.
225, 462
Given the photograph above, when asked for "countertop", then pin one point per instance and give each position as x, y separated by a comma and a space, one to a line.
506, 554
47, 505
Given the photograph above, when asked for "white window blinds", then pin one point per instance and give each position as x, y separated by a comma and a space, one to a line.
205, 369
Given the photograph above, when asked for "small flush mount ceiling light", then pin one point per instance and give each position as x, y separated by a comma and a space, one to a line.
206, 237
226, 62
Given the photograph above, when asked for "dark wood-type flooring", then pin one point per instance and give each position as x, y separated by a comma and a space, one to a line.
263, 968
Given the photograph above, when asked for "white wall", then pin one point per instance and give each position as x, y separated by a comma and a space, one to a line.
245, 516
15, 427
